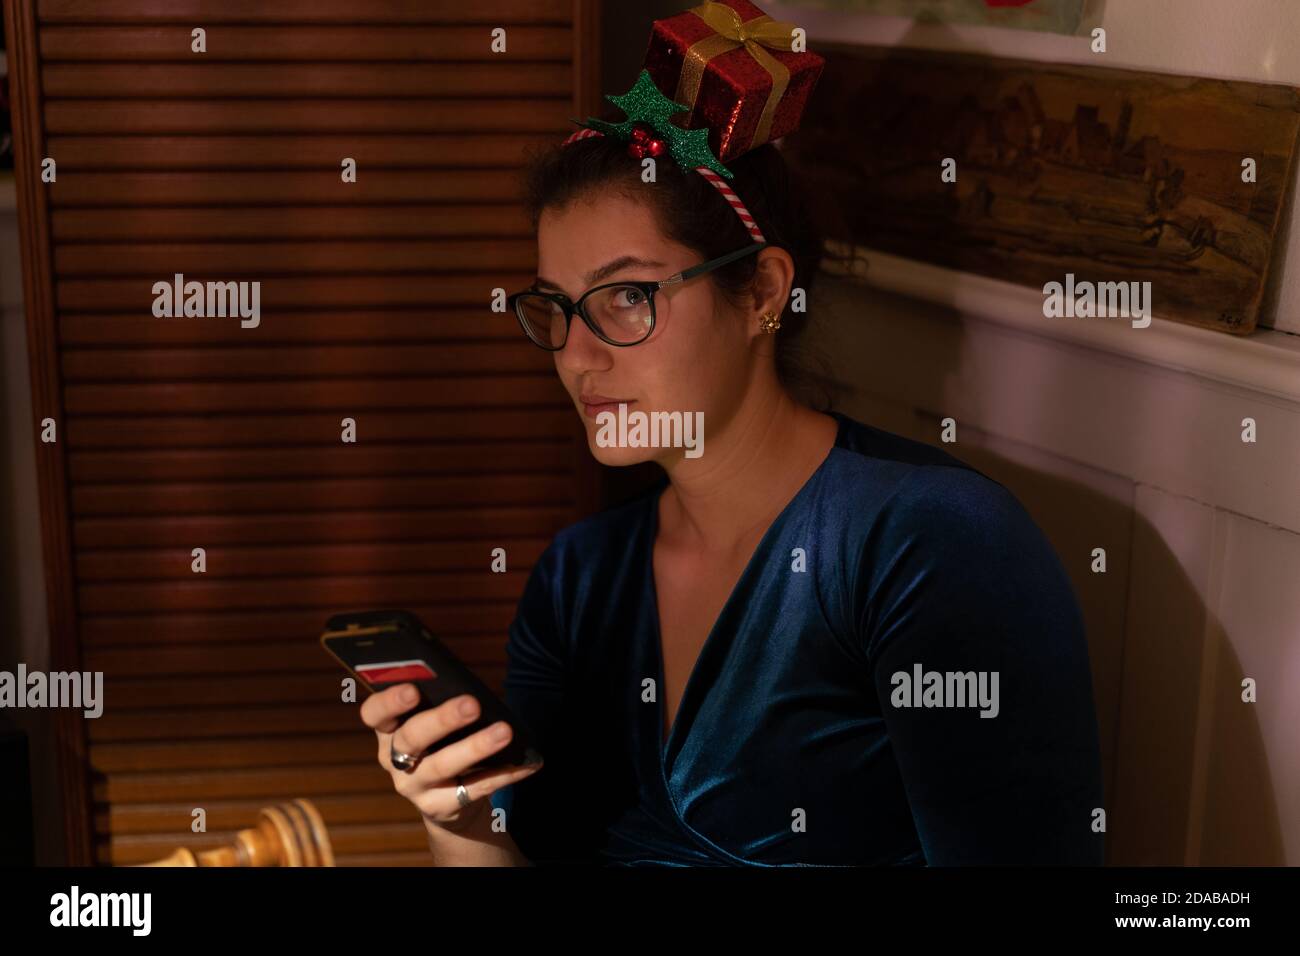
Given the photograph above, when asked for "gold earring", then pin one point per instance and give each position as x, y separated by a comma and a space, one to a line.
770, 322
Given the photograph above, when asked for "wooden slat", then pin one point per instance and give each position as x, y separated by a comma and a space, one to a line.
369, 840
276, 117
295, 12
192, 723
256, 259
353, 558
390, 590
124, 724
247, 497
231, 815
260, 783
285, 688
303, 655
291, 292
383, 460
150, 658
305, 43
412, 220
291, 750
353, 394
310, 429
243, 187
230, 364
89, 154
156, 81
352, 525
308, 327
486, 622
228, 815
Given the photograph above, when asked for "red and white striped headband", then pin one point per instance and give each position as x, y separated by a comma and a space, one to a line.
728, 193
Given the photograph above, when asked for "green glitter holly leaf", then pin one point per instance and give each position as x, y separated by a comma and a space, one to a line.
646, 103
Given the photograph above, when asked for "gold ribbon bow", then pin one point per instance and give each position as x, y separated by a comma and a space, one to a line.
730, 34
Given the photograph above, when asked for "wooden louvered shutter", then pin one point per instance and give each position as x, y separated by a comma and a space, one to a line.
183, 433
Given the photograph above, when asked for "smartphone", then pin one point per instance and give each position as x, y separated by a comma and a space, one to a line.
386, 647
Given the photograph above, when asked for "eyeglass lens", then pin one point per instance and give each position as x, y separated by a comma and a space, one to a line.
620, 312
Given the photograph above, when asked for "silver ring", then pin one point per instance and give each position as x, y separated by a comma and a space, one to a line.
403, 762
462, 795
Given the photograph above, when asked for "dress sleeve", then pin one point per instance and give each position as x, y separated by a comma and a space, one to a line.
957, 584
541, 812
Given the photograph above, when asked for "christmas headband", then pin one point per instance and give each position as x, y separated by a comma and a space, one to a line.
649, 132
735, 71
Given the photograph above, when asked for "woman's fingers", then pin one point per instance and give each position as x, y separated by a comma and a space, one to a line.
426, 728
381, 709
440, 805
432, 785
451, 761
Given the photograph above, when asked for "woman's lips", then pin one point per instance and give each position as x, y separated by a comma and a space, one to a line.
592, 410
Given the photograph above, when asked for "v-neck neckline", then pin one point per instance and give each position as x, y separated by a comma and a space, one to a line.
664, 746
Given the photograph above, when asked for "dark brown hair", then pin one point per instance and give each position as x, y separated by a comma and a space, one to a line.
692, 212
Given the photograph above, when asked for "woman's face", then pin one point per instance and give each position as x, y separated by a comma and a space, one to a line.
697, 359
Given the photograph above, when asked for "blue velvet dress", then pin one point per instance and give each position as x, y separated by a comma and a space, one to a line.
822, 723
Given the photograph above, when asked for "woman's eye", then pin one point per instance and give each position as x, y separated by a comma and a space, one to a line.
627, 298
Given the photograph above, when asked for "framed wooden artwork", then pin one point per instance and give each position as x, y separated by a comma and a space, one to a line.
1032, 172
1054, 16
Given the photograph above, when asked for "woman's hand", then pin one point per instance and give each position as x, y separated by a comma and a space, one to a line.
431, 786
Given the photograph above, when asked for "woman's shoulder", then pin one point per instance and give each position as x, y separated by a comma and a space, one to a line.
880, 475
936, 542
870, 443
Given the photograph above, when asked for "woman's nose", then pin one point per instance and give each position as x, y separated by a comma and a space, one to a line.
582, 350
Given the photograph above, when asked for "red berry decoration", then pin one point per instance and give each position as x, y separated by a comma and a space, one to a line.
643, 142
647, 108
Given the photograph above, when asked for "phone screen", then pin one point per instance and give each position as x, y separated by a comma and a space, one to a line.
387, 673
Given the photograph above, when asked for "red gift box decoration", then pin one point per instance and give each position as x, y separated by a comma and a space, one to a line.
732, 64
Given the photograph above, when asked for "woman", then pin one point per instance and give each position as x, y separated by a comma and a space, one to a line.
817, 643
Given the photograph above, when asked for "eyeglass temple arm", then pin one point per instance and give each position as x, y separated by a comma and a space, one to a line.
712, 264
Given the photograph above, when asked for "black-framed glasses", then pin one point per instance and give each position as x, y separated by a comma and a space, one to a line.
618, 313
